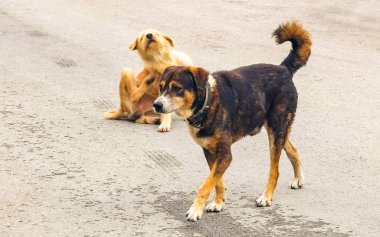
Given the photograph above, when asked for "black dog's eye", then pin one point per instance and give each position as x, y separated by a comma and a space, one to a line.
176, 89
161, 88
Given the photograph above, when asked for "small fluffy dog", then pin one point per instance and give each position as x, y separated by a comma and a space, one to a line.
138, 93
225, 106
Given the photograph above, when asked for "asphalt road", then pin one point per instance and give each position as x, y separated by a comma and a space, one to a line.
65, 171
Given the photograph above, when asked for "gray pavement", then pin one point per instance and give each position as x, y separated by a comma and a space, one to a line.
64, 171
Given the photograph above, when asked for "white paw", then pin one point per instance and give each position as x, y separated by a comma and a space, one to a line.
164, 127
214, 207
263, 201
297, 183
194, 213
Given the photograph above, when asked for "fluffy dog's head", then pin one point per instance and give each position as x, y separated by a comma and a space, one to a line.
151, 44
182, 89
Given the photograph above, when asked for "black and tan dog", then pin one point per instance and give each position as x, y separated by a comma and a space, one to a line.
225, 106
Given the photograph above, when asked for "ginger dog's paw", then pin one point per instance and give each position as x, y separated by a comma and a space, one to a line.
166, 121
263, 201
164, 127
194, 213
215, 207
116, 114
297, 183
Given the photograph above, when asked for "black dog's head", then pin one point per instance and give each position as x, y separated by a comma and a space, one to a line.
181, 89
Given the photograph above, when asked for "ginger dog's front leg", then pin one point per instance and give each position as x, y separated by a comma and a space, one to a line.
166, 121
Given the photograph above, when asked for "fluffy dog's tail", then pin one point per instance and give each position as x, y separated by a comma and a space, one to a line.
301, 44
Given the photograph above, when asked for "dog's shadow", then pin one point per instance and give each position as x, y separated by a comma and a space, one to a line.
224, 224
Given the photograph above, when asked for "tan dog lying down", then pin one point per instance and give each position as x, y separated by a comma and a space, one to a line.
137, 93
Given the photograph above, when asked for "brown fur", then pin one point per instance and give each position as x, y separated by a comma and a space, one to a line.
243, 101
301, 44
137, 93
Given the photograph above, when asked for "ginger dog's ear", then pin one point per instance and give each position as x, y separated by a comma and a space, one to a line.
134, 44
170, 40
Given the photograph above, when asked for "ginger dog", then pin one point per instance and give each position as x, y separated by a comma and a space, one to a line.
137, 93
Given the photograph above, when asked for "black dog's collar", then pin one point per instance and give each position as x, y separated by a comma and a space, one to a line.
195, 120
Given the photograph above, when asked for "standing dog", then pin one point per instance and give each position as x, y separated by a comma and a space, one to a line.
137, 94
225, 106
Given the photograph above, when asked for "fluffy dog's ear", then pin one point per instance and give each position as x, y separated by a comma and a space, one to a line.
134, 44
200, 76
170, 40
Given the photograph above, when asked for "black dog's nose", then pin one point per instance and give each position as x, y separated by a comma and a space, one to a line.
149, 36
158, 106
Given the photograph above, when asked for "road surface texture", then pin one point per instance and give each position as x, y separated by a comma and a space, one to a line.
65, 171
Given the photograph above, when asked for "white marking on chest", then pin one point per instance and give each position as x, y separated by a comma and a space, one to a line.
212, 81
206, 141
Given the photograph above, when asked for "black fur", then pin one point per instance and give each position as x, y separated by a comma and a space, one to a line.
250, 96
244, 100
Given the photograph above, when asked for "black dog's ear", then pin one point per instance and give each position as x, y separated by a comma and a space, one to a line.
167, 72
200, 77
134, 44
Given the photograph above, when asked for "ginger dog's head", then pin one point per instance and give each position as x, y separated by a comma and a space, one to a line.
182, 89
152, 45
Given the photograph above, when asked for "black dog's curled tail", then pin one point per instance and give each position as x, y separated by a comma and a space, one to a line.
301, 44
